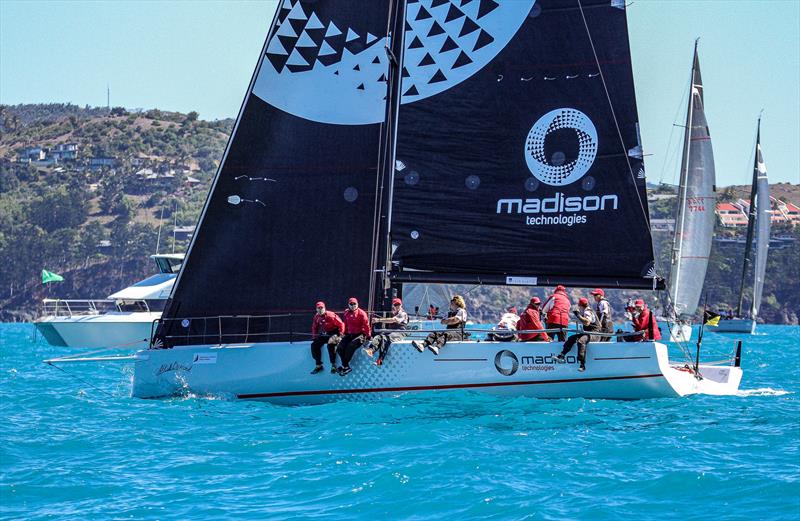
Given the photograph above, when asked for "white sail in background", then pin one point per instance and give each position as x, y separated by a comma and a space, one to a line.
694, 227
763, 216
417, 298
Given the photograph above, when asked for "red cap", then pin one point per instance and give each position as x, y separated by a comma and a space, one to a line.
583, 301
397, 302
536, 300
352, 300
639, 302
320, 304
511, 309
560, 288
598, 291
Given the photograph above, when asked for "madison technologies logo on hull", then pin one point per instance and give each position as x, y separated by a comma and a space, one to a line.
507, 363
550, 166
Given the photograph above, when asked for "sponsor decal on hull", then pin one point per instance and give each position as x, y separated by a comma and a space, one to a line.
507, 362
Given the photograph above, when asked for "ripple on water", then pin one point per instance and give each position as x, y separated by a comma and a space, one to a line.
68, 451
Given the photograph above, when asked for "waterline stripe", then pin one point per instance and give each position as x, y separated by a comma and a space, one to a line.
439, 387
625, 358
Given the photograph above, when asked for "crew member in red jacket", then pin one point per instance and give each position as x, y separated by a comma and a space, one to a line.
531, 320
326, 328
556, 309
356, 333
645, 321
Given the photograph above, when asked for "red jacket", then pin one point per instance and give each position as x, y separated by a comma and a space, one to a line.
559, 313
530, 320
356, 323
328, 323
646, 322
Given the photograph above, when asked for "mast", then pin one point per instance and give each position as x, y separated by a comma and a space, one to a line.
677, 240
382, 248
751, 221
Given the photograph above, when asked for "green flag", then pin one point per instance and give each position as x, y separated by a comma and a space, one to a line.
48, 276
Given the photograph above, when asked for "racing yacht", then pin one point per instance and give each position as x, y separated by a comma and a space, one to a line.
756, 249
516, 126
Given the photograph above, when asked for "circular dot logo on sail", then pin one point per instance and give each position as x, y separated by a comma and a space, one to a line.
561, 128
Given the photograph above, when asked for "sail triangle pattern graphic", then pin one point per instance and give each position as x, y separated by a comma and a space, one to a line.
447, 41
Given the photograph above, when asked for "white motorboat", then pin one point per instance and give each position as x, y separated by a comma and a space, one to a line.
123, 319
497, 163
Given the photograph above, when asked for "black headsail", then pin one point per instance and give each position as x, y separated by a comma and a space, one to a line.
290, 217
518, 155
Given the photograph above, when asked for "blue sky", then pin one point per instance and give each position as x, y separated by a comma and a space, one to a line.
183, 56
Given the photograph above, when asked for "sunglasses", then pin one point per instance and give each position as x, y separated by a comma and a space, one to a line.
352, 304
320, 307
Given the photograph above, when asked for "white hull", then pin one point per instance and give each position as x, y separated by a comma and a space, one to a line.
680, 332
736, 325
115, 329
279, 372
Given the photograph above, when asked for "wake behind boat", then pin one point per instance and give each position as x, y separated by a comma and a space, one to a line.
506, 136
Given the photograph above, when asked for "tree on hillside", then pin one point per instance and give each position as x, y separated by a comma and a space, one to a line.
110, 191
58, 208
8, 179
90, 238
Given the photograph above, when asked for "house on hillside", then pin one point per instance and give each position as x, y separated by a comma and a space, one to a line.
31, 154
790, 212
102, 161
64, 152
735, 214
731, 215
183, 233
662, 225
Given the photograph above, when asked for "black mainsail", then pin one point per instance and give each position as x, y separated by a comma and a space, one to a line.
694, 226
528, 169
289, 219
758, 225
427, 140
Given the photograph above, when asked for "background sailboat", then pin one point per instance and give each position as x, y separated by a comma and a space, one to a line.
694, 225
756, 245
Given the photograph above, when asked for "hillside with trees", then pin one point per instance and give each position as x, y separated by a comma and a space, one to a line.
85, 191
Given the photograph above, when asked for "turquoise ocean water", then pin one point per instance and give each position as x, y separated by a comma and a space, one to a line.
70, 451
